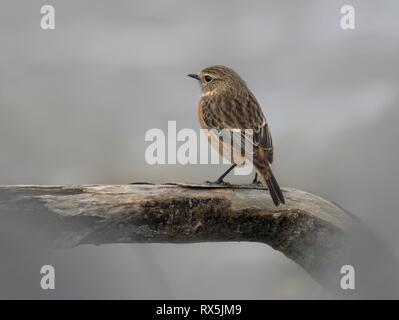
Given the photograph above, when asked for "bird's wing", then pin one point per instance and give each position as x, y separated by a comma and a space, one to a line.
239, 113
263, 139
262, 135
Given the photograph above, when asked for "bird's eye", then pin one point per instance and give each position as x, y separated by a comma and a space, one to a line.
208, 78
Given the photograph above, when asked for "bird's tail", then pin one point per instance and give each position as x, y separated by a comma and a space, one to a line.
274, 188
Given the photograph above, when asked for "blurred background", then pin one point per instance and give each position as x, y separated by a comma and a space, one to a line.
76, 102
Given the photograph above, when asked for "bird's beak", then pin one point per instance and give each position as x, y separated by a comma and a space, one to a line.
193, 75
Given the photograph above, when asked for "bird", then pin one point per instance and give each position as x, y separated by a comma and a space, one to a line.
227, 103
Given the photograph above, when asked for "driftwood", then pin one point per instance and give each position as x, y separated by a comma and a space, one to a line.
313, 232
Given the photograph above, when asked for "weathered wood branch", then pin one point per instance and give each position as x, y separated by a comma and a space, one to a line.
308, 229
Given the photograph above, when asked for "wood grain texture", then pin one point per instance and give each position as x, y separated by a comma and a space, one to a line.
308, 229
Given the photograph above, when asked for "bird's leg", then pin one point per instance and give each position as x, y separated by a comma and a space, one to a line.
220, 179
256, 181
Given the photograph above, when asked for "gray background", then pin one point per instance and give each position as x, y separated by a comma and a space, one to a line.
75, 104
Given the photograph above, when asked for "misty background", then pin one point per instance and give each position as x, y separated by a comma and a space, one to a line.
76, 102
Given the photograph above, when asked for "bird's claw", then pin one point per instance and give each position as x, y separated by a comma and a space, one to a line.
219, 182
256, 182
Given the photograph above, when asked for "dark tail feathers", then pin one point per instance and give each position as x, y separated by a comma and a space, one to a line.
275, 191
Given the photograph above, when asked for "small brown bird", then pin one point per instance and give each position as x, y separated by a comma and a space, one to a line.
227, 103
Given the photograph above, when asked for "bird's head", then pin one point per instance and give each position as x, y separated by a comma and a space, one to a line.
219, 79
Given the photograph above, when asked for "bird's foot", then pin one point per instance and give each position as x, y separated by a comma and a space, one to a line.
256, 182
219, 182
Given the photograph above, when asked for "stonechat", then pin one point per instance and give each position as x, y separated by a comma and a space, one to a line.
227, 103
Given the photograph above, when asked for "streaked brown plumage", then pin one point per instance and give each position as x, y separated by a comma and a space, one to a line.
227, 103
